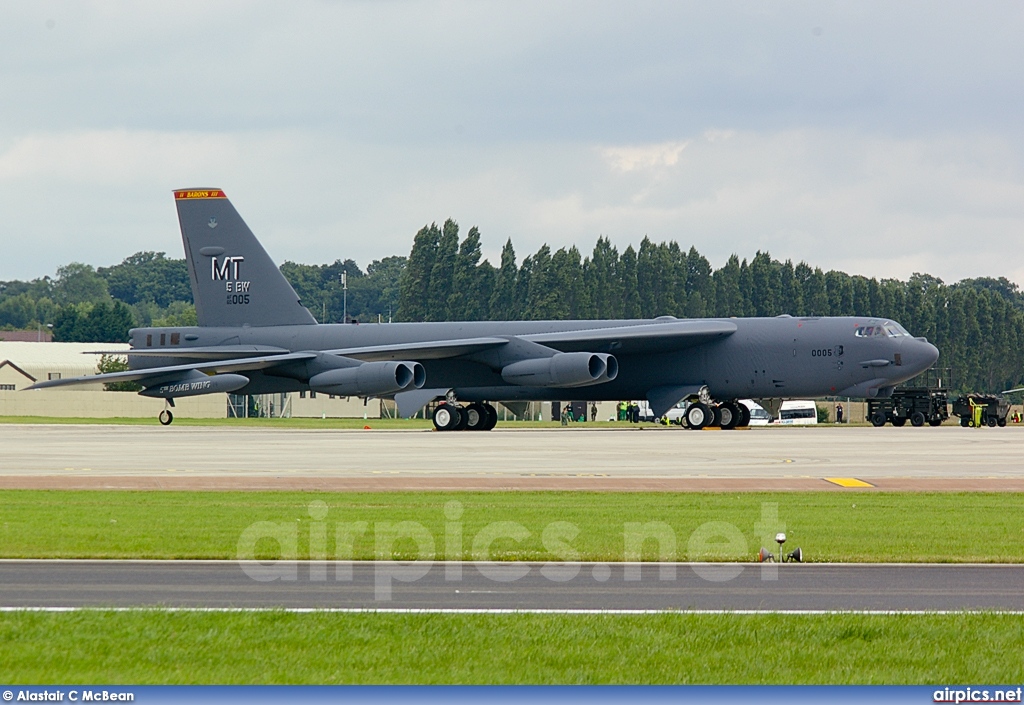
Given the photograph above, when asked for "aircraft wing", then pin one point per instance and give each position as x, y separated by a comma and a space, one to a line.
428, 350
644, 338
161, 373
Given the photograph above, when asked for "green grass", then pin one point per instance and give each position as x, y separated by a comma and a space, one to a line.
155, 647
828, 526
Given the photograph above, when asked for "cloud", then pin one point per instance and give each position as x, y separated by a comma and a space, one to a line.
952, 205
633, 158
111, 157
888, 142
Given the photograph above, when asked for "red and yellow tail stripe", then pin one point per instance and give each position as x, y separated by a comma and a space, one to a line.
199, 193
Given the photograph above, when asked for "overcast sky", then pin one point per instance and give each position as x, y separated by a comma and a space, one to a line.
879, 138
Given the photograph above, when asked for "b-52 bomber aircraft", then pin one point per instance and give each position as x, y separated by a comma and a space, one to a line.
255, 337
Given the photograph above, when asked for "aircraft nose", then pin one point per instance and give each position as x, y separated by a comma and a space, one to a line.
919, 355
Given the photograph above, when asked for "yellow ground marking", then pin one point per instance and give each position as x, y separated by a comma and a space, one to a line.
848, 482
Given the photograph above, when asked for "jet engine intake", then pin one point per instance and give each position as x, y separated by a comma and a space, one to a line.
194, 384
578, 369
370, 379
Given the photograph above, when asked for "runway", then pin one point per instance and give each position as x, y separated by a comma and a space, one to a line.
505, 586
68, 456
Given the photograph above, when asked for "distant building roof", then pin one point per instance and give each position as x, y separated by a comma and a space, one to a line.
42, 360
27, 336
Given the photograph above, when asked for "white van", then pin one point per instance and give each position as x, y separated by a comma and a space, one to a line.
758, 416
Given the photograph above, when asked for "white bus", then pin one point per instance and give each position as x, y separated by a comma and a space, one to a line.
794, 412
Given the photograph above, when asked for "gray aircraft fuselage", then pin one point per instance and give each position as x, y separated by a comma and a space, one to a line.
782, 357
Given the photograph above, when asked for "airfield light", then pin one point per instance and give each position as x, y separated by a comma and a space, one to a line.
780, 538
796, 556
765, 556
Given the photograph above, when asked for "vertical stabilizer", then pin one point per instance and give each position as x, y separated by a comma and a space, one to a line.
234, 281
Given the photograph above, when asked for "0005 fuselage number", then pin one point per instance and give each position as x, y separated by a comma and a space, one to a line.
826, 352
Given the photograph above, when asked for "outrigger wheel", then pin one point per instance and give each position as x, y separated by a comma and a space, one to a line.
166, 417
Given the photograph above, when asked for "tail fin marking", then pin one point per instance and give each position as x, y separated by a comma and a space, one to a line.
234, 281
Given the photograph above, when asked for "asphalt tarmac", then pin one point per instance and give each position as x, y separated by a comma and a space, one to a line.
181, 457
503, 586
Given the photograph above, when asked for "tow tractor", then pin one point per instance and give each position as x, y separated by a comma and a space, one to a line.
977, 410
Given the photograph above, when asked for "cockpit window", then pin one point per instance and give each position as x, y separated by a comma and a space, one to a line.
889, 329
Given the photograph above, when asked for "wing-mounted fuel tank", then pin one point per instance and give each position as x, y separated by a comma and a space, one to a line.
576, 369
370, 379
194, 383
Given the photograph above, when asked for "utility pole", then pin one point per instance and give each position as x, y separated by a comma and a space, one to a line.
344, 294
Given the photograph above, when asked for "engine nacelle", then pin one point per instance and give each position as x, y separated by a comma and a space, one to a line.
370, 379
579, 369
194, 384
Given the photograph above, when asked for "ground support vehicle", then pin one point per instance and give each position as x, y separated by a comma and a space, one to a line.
918, 405
977, 410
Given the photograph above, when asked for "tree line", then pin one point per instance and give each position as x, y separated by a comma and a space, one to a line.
977, 324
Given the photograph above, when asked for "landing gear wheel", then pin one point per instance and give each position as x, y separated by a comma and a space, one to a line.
878, 419
166, 417
476, 417
492, 417
698, 415
729, 415
935, 422
447, 417
897, 421
1001, 422
917, 419
744, 420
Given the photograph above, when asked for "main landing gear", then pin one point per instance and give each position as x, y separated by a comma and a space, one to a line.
727, 415
450, 416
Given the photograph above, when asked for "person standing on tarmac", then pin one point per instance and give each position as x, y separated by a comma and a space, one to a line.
839, 413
